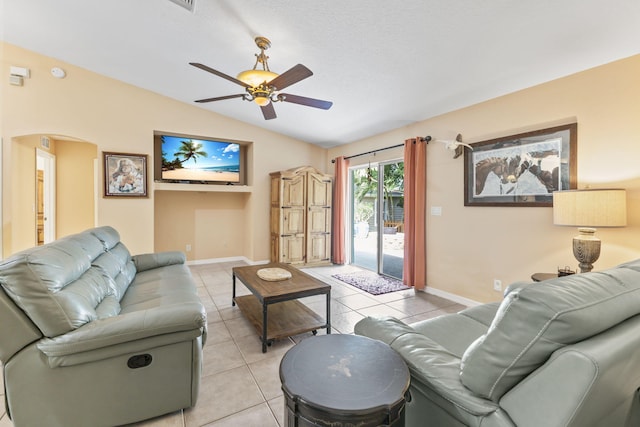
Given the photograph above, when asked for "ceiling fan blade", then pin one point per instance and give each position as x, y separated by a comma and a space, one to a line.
268, 111
291, 76
220, 98
219, 74
303, 100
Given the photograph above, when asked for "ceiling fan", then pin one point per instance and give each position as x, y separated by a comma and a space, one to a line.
263, 86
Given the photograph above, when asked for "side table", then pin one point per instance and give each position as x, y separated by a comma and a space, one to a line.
539, 277
343, 380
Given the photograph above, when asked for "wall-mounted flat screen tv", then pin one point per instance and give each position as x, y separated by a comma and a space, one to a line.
192, 159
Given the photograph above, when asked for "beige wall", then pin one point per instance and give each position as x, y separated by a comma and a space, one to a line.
469, 247
75, 186
205, 221
119, 117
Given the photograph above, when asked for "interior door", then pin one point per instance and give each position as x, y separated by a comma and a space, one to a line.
45, 197
40, 207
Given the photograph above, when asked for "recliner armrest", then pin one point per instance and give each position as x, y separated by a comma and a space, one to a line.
154, 260
128, 327
385, 328
429, 362
17, 329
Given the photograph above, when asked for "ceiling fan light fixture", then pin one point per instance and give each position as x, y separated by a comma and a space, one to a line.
255, 78
262, 100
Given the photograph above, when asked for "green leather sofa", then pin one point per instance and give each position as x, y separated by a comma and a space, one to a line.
91, 336
562, 352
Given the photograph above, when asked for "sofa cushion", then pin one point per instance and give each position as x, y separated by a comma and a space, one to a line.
56, 286
118, 267
171, 284
109, 236
70, 282
534, 321
468, 325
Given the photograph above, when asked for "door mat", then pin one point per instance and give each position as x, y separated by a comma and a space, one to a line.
371, 282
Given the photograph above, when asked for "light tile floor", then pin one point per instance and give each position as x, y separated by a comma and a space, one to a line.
240, 385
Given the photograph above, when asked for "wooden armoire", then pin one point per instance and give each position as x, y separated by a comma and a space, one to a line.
301, 216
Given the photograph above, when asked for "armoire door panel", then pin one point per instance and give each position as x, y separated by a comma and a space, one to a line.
293, 191
293, 249
293, 221
319, 220
319, 248
319, 189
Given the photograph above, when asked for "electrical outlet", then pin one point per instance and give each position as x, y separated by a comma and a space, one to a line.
497, 285
188, 248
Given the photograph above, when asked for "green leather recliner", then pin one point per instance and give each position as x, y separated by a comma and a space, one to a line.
563, 352
91, 336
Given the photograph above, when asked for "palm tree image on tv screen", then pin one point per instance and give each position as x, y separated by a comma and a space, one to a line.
199, 160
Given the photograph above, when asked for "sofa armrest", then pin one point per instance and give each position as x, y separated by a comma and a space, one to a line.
154, 260
126, 328
17, 329
429, 362
386, 329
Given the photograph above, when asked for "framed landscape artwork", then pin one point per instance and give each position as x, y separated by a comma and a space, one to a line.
521, 170
125, 175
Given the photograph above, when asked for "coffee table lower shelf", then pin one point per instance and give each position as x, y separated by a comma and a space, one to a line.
285, 319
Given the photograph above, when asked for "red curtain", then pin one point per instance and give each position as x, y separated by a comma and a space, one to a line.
415, 206
339, 208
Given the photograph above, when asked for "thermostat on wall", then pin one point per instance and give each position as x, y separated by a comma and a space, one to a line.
58, 73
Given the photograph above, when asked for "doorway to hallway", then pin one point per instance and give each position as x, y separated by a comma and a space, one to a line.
45, 197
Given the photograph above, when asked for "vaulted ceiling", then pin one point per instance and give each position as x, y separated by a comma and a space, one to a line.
383, 63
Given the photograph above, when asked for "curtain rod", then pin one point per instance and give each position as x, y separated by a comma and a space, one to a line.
426, 139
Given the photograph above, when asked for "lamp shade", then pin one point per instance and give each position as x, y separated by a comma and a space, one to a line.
590, 208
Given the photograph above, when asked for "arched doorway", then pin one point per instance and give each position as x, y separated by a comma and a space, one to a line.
73, 199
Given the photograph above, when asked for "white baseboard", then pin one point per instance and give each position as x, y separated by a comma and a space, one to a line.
453, 297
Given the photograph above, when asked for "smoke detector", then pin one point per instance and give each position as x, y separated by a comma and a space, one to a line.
58, 73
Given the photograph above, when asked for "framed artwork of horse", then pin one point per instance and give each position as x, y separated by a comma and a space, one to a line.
523, 169
125, 175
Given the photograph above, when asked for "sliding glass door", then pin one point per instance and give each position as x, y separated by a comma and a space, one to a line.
377, 207
391, 242
364, 203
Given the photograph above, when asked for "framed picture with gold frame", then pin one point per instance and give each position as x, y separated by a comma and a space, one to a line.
521, 170
125, 175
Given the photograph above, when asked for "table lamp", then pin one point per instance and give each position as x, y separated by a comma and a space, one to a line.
587, 209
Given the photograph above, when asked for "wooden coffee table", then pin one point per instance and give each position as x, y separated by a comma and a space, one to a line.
273, 308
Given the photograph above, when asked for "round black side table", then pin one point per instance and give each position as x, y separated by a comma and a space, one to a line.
335, 380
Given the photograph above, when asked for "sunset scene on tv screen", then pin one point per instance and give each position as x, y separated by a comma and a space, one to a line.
189, 159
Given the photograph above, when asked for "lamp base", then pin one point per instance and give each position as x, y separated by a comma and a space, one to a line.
586, 249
